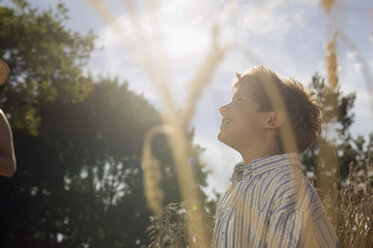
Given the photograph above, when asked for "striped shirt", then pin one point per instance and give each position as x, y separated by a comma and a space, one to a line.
270, 203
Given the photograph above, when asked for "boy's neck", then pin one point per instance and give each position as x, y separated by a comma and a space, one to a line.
250, 154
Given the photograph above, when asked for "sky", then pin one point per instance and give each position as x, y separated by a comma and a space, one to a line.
287, 36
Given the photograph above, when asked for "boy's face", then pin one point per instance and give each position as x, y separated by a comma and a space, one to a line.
242, 125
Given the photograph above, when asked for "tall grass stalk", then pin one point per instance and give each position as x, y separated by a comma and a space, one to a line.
178, 120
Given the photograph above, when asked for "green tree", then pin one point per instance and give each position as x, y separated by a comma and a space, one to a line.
338, 116
81, 177
46, 60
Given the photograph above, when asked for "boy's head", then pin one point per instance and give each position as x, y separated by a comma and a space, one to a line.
254, 117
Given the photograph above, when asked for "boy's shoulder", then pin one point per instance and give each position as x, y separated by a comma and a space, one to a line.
281, 169
286, 179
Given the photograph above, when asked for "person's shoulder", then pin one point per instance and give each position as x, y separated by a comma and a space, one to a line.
2, 116
290, 180
284, 175
3, 120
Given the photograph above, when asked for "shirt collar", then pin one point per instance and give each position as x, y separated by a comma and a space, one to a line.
265, 164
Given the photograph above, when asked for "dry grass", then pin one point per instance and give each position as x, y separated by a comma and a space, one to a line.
170, 228
177, 120
327, 5
152, 174
353, 208
331, 64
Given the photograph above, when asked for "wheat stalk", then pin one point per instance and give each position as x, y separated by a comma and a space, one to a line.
331, 63
327, 5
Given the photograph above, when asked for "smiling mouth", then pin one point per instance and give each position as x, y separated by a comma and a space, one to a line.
227, 121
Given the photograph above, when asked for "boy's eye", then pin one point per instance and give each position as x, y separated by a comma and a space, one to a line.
239, 99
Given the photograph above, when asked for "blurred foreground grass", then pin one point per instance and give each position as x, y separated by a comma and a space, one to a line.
189, 223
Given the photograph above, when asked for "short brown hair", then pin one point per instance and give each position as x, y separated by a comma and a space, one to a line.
302, 106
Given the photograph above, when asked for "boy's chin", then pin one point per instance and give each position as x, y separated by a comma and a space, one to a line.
220, 137
227, 140
223, 139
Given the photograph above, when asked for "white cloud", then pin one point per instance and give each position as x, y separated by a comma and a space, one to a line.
351, 54
358, 66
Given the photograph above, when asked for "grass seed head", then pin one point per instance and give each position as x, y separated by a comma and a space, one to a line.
331, 64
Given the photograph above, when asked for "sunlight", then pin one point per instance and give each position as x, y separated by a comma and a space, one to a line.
181, 41
169, 38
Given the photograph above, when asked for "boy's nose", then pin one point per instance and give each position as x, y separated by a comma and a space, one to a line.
223, 109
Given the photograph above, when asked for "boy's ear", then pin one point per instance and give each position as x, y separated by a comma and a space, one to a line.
275, 119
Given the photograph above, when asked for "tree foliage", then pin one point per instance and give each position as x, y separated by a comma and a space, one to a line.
337, 142
81, 177
46, 60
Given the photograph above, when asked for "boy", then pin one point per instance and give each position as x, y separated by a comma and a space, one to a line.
270, 203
